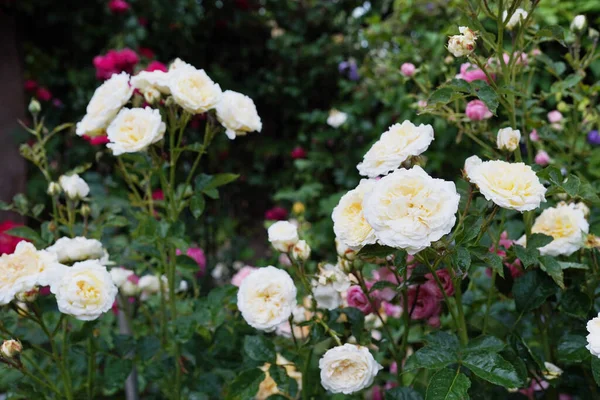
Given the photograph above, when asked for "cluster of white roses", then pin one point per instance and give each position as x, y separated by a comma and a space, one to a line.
130, 285
407, 209
132, 130
84, 289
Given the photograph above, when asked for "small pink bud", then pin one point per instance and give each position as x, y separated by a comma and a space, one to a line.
554, 116
408, 69
477, 111
542, 158
533, 135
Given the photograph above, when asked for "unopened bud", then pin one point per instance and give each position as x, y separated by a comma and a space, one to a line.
593, 34
34, 107
169, 101
11, 349
54, 189
151, 95
344, 251
85, 210
29, 296
579, 23
22, 308
552, 371
301, 251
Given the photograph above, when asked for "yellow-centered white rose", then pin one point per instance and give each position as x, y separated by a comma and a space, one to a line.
105, 104
135, 129
349, 223
396, 145
283, 235
408, 209
237, 113
192, 89
508, 139
266, 298
514, 186
348, 369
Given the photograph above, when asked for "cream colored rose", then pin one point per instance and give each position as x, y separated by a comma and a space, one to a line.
74, 186
333, 275
266, 298
348, 369
593, 339
23, 270
471, 163
193, 90
283, 235
237, 113
409, 210
349, 223
336, 118
151, 284
567, 226
514, 186
105, 104
85, 290
326, 296
158, 80
135, 129
120, 275
79, 248
396, 145
463, 44
508, 139
515, 19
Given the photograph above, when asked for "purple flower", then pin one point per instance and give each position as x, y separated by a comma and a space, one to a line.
593, 138
350, 69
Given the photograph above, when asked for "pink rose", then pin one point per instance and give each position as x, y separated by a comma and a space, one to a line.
542, 158
424, 301
516, 269
445, 279
554, 117
126, 60
30, 85
470, 73
43, 94
521, 58
477, 111
146, 52
392, 310
242, 274
536, 52
96, 140
118, 6
358, 299
377, 393
408, 69
533, 135
106, 65
298, 153
505, 241
276, 214
156, 66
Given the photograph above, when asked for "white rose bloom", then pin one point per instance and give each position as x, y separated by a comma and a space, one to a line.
514, 186
583, 208
336, 118
150, 284
593, 339
237, 113
508, 139
129, 288
301, 250
134, 129
24, 269
552, 371
396, 145
79, 248
327, 297
74, 186
266, 298
567, 226
193, 90
463, 44
178, 63
283, 235
105, 104
158, 80
348, 369
578, 23
471, 163
85, 290
120, 275
333, 275
409, 209
515, 19
349, 223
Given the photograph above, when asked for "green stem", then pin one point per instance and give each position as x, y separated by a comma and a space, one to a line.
65, 362
91, 368
462, 328
489, 302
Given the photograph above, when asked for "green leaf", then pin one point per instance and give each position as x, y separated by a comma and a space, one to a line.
186, 263
116, 371
357, 321
596, 369
442, 96
571, 185
26, 232
522, 349
402, 393
527, 256
485, 343
553, 268
572, 349
493, 368
567, 83
462, 258
440, 350
245, 386
538, 240
532, 289
197, 204
379, 285
259, 348
576, 304
375, 250
472, 227
573, 265
220, 180
491, 260
488, 96
448, 384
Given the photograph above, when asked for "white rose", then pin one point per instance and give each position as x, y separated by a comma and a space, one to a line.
193, 90
237, 113
85, 290
567, 226
105, 104
11, 348
552, 371
129, 288
348, 369
134, 129
344, 251
266, 298
327, 297
283, 235
471, 163
24, 269
463, 44
583, 208
508, 139
336, 118
150, 284
349, 223
593, 339
578, 23
74, 186
158, 80
396, 145
178, 63
301, 250
120, 275
334, 275
514, 186
409, 210
79, 248
515, 19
